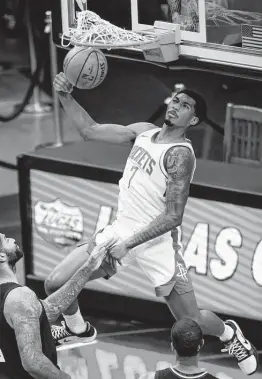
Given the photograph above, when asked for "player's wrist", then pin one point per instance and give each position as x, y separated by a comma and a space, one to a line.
65, 94
127, 245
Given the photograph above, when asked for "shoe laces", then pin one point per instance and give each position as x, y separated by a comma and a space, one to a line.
236, 349
59, 331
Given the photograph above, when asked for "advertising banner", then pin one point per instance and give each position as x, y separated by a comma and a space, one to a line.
222, 242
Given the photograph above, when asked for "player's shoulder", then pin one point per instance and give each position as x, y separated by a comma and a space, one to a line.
21, 299
179, 155
183, 151
141, 127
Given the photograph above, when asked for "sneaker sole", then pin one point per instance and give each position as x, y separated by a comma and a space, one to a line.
254, 350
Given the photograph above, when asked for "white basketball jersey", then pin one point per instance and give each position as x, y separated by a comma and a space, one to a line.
143, 185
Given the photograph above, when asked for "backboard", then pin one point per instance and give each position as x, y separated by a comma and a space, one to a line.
192, 25
224, 34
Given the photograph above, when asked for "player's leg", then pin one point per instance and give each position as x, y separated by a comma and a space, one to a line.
67, 268
168, 274
74, 327
69, 265
182, 302
185, 305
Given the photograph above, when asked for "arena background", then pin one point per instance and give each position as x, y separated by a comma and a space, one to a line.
25, 133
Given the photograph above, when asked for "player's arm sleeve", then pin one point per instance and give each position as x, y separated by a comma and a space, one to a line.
179, 164
89, 128
24, 310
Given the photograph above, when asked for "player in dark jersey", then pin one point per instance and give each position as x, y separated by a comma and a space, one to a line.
186, 341
27, 348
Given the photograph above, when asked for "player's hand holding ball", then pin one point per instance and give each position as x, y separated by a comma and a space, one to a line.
85, 68
61, 84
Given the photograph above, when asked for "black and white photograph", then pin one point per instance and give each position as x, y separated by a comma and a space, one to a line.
131, 189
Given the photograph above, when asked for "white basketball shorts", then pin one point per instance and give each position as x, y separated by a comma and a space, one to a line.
163, 265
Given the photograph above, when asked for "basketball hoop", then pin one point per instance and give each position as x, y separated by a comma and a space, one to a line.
93, 31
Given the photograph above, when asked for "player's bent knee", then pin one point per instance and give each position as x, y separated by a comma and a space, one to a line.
55, 280
67, 268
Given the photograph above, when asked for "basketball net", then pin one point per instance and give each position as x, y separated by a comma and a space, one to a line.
93, 31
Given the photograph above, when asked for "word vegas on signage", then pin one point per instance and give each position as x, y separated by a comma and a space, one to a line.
196, 253
221, 258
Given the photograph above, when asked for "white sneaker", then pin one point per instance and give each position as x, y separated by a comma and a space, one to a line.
239, 347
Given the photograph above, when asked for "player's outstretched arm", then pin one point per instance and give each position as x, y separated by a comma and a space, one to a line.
56, 303
89, 128
179, 164
22, 310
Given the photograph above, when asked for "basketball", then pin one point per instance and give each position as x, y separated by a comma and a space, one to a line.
85, 68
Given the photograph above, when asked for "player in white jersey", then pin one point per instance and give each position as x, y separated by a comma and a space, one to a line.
153, 194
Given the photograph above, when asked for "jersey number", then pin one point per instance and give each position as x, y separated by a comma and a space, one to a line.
133, 171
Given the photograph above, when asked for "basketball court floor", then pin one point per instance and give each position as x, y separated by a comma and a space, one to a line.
127, 350
123, 349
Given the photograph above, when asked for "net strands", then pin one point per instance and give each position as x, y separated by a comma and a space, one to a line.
220, 15
93, 31
216, 14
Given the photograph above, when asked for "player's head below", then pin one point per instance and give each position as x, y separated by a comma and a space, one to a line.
10, 253
187, 108
186, 338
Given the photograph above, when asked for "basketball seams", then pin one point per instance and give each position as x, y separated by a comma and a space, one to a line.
80, 51
98, 66
105, 63
83, 66
93, 65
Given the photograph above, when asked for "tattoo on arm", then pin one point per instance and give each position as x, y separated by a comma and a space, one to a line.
179, 167
59, 301
24, 310
179, 164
